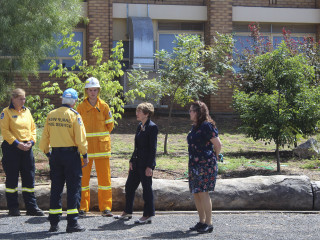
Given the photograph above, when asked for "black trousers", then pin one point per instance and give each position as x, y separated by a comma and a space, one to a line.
136, 176
16, 161
65, 167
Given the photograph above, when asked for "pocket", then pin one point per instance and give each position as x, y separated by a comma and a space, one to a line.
104, 143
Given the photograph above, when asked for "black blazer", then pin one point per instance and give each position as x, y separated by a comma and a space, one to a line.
145, 145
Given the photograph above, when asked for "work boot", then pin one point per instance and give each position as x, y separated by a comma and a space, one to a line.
75, 228
35, 212
54, 228
82, 213
14, 212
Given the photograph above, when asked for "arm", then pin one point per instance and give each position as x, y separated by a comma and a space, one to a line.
45, 140
5, 129
109, 119
80, 135
152, 138
134, 154
33, 134
216, 145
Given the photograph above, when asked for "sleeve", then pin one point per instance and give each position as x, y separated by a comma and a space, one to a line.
45, 139
153, 137
80, 135
134, 154
33, 130
209, 131
109, 118
5, 127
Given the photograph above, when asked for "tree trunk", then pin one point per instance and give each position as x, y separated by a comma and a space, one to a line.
165, 149
278, 158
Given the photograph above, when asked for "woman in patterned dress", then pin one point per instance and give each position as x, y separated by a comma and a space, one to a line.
204, 147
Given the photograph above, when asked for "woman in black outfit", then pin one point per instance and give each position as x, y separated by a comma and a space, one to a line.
142, 164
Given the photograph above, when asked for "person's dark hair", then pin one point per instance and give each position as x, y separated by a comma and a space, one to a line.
202, 113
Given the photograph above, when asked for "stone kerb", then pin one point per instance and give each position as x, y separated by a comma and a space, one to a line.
279, 192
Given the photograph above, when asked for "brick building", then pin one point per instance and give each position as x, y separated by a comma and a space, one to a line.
114, 20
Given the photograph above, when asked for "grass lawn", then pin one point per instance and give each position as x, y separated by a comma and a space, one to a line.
243, 156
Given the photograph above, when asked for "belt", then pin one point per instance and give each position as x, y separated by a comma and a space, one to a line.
65, 149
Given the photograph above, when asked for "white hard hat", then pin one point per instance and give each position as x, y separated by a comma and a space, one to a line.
92, 82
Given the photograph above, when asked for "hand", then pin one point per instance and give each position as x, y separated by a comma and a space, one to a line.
23, 146
130, 166
148, 172
28, 145
85, 162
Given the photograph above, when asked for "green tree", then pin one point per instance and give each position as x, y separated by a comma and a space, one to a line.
189, 72
28, 29
276, 97
106, 71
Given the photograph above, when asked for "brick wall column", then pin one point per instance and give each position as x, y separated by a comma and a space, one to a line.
100, 26
317, 5
219, 20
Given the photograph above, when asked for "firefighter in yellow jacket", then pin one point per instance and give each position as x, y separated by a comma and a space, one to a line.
98, 121
65, 133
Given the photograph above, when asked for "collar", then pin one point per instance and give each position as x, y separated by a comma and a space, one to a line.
66, 105
147, 123
12, 107
88, 103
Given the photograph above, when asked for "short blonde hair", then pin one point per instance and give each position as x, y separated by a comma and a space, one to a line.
17, 93
146, 108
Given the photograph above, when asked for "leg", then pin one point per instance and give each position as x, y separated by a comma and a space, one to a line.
73, 174
27, 178
200, 208
85, 187
104, 183
206, 206
148, 209
132, 184
57, 183
10, 164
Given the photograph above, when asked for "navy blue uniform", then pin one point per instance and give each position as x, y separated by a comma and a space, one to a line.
143, 156
65, 133
16, 127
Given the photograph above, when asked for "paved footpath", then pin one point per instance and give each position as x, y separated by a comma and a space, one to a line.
257, 225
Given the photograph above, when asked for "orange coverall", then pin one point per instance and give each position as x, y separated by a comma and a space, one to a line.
99, 123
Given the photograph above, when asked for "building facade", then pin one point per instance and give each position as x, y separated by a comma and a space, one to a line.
145, 26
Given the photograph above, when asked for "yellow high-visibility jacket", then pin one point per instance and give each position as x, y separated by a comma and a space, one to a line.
17, 126
99, 123
64, 128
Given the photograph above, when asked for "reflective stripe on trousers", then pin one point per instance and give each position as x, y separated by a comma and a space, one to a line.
97, 134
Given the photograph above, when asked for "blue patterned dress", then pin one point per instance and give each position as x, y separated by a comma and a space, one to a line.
203, 168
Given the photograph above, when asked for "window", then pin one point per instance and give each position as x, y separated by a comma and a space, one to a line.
62, 55
125, 62
270, 32
167, 32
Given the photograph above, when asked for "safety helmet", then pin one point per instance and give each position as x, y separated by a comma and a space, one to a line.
70, 93
92, 82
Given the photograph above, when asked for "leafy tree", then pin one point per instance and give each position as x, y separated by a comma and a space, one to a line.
106, 71
189, 72
276, 97
28, 29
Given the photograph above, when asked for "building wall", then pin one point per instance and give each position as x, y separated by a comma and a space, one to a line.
33, 87
219, 19
100, 26
166, 2
276, 3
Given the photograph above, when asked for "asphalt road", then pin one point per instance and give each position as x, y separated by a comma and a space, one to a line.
168, 225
